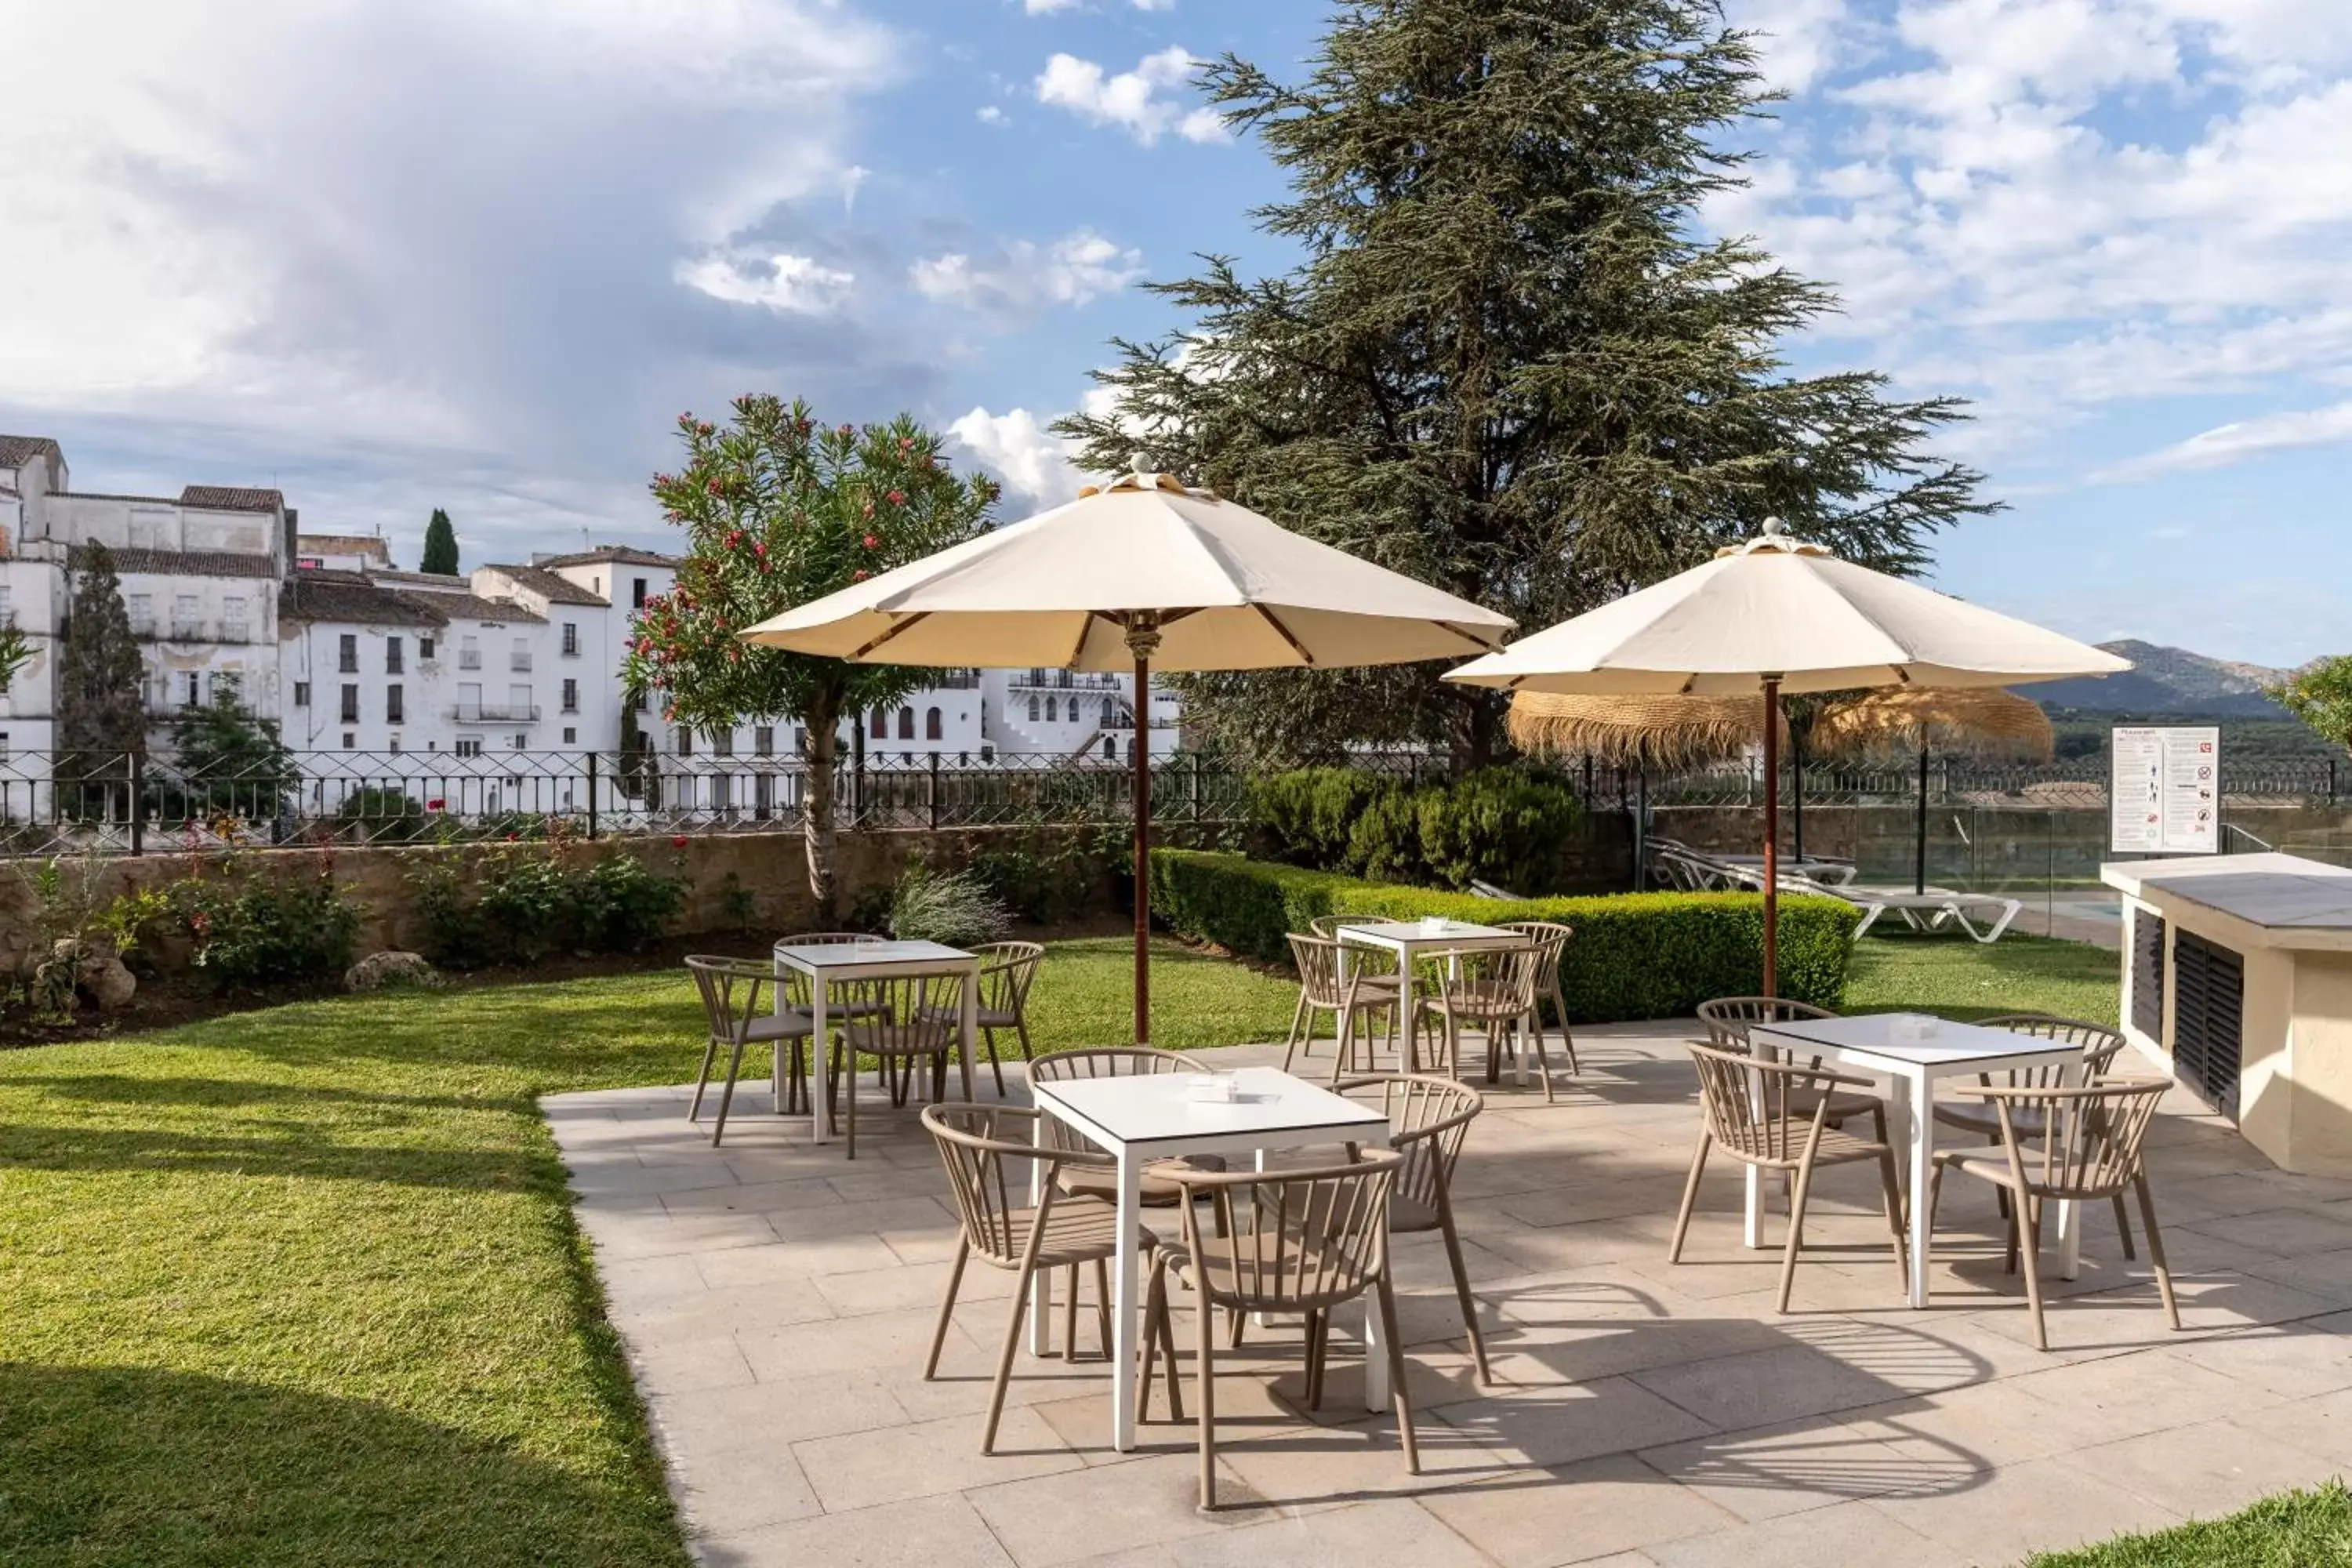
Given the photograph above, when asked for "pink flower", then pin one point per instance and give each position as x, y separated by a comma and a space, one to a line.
898, 498
847, 430
677, 841
860, 575
436, 804
872, 544
761, 548
713, 485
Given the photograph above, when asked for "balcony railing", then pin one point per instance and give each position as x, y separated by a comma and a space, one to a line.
1064, 680
520, 661
236, 631
495, 713
469, 658
186, 631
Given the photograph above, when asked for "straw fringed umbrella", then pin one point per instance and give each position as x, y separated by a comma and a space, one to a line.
1984, 723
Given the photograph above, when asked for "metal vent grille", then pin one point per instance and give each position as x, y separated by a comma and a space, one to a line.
2148, 973
2208, 996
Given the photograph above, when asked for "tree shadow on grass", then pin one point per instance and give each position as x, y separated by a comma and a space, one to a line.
132, 1466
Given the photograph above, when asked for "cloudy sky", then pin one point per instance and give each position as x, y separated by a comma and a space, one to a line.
480, 254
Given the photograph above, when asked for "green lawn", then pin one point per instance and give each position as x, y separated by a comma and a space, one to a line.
301, 1285
1961, 979
2294, 1530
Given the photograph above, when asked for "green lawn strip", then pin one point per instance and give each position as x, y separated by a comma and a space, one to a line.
1961, 979
2293, 1530
302, 1286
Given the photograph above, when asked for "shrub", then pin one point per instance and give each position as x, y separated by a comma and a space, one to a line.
529, 900
954, 908
1384, 842
621, 904
1056, 873
1634, 955
523, 900
1307, 817
255, 930
375, 816
1499, 826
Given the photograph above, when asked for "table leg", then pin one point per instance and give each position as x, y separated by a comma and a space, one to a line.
1919, 1145
820, 1054
970, 1029
1127, 1302
1376, 1355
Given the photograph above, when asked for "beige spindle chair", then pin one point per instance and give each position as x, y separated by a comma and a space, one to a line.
1007, 970
2100, 1045
989, 1153
2090, 1145
739, 1017
900, 1020
1429, 1118
1754, 1112
1288, 1241
1728, 1021
1494, 991
1321, 990
1557, 936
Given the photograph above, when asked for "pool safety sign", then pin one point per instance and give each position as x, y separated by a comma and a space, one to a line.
2167, 794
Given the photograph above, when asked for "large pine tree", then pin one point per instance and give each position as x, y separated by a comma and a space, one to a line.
440, 545
1509, 362
101, 706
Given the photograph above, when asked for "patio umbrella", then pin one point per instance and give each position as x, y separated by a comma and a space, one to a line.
1985, 723
1138, 573
1776, 615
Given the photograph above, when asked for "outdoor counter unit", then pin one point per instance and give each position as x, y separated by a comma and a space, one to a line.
2237, 975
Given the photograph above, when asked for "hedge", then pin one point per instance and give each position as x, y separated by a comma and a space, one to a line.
1634, 955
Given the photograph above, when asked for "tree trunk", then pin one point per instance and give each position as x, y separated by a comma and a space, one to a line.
817, 834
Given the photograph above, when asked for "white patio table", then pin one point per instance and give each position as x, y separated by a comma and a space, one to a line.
1413, 939
1141, 1118
1916, 1050
828, 964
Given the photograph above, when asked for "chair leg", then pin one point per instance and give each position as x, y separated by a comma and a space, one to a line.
727, 1096
1397, 1390
1019, 1310
776, 1071
1102, 1305
995, 1067
1070, 1314
1690, 1197
1202, 1337
2123, 1228
1461, 1284
702, 1080
1567, 1038
2030, 1227
1318, 1329
2155, 1250
1892, 1191
1157, 1337
1290, 1040
1795, 1232
1021, 1027
946, 1308
849, 1093
1543, 1058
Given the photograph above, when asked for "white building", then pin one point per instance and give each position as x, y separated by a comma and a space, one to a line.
1076, 714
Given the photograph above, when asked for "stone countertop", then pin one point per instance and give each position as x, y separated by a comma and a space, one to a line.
2271, 899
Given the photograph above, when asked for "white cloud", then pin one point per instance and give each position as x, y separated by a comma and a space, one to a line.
990, 114
1138, 102
1155, 5
1046, 7
2242, 440
780, 282
1022, 278
1033, 461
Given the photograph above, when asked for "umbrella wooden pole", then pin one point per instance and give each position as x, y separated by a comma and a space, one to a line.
1919, 829
1142, 759
1771, 834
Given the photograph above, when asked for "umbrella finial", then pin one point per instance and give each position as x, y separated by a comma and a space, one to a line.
1139, 463
1774, 527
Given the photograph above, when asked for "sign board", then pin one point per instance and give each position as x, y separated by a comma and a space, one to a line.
2166, 796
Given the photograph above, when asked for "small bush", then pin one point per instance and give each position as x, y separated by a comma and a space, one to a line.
1504, 826
529, 900
954, 908
1634, 955
380, 817
1055, 874
621, 904
1500, 826
1307, 815
1384, 842
259, 930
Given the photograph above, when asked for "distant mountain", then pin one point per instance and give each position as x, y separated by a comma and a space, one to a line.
2167, 680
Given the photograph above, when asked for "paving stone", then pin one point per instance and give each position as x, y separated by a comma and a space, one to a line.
1850, 1533
935, 1533
2014, 1512
857, 1470
1569, 1513
2288, 1232
1759, 1387
1061, 1519
1800, 1465
2205, 1470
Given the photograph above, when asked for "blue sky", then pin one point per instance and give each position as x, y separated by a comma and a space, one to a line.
478, 255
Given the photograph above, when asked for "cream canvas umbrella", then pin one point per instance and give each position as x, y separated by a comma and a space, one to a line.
1140, 573
1776, 616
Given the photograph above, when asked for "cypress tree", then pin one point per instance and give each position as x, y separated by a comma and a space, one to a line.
101, 706
1509, 363
440, 545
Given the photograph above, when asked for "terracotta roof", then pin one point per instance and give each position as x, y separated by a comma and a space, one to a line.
16, 451
182, 563
618, 554
468, 606
539, 580
342, 544
233, 498
350, 597
449, 580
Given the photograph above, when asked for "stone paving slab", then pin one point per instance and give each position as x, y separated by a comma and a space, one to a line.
776, 1300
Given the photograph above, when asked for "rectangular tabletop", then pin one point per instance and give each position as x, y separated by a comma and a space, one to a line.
869, 956
1410, 936
1873, 1040
1158, 1110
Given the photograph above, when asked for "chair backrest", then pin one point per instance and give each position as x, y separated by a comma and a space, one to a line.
1728, 1018
1318, 960
1098, 1061
1551, 940
1753, 1106
1007, 970
1499, 982
1429, 1119
730, 991
1289, 1241
2100, 1044
988, 1151
2087, 1138
903, 1014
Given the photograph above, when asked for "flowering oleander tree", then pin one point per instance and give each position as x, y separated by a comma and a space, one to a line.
780, 509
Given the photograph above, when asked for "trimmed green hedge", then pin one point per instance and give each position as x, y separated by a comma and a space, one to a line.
1634, 955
